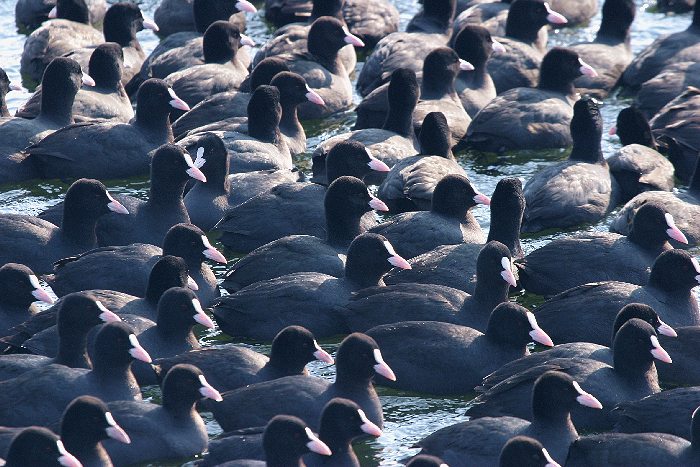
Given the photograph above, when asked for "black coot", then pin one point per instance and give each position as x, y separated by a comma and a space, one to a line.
579, 190
588, 350
30, 14
221, 71
39, 446
427, 302
448, 222
410, 183
67, 29
149, 221
610, 52
106, 99
450, 359
293, 92
128, 268
258, 144
394, 140
19, 289
428, 30
107, 149
527, 118
232, 104
666, 412
232, 366
171, 430
523, 451
244, 230
601, 256
78, 314
342, 421
615, 449
346, 204
357, 361
666, 86
637, 166
665, 50
475, 88
684, 207
38, 243
455, 265
40, 396
631, 377
182, 50
437, 94
63, 78
309, 299
669, 292
525, 44
554, 396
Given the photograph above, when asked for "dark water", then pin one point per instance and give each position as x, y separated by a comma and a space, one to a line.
408, 417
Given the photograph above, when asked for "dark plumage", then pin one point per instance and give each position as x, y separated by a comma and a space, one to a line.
108, 149
63, 78
38, 243
449, 220
637, 166
665, 50
40, 396
149, 221
128, 268
525, 45
642, 449
475, 88
106, 99
171, 430
600, 256
244, 230
357, 361
452, 359
587, 350
455, 265
308, 299
553, 397
232, 366
527, 118
346, 204
669, 292
221, 71
413, 302
631, 377
393, 141
19, 289
579, 190
39, 446
610, 52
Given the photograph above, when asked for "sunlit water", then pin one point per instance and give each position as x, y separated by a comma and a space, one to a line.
408, 417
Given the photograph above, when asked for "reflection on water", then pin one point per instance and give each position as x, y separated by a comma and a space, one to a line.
408, 417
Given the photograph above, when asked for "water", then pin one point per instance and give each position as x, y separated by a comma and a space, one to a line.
408, 417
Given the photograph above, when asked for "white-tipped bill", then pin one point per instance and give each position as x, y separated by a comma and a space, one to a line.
106, 316
378, 205
666, 330
322, 355
396, 260
212, 253
116, 206
39, 293
507, 273
673, 231
382, 368
245, 40
245, 5
554, 17
316, 445
465, 65
200, 316
87, 80
191, 284
313, 96
586, 69
367, 426
537, 333
176, 102
550, 462
208, 391
66, 459
376, 164
53, 13
138, 352
659, 352
352, 39
148, 23
481, 198
497, 47
114, 431
586, 399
